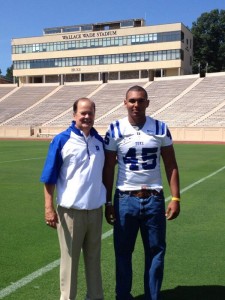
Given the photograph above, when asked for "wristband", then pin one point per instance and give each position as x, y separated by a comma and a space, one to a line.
175, 199
108, 203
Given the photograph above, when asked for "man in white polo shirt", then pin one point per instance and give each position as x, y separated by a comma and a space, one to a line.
74, 167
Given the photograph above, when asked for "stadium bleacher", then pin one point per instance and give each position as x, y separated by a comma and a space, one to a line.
182, 102
22, 99
195, 103
57, 102
5, 89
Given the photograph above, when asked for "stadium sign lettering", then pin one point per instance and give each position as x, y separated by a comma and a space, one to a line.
106, 33
71, 36
88, 35
76, 69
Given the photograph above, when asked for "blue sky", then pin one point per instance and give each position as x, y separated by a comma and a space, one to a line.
27, 18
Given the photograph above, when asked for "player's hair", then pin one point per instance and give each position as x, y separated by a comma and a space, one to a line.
137, 88
82, 99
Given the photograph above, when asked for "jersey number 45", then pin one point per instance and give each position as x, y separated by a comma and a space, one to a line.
148, 158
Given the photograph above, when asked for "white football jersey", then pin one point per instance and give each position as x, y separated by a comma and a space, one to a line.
138, 153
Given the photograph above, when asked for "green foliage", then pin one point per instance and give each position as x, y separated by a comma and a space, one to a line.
9, 73
209, 42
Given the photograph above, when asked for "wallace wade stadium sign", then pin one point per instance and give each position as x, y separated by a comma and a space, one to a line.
89, 35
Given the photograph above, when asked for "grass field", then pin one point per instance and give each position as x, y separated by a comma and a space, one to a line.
29, 251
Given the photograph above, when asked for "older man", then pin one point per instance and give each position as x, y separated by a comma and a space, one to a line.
74, 166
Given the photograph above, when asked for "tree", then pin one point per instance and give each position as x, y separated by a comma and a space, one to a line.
209, 42
9, 73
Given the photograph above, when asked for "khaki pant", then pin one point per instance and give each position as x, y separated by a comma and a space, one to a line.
80, 229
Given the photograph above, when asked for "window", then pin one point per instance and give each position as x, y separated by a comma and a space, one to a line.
86, 27
97, 60
35, 47
138, 56
102, 59
101, 42
159, 55
105, 60
93, 43
128, 23
164, 54
182, 36
133, 39
155, 56
70, 29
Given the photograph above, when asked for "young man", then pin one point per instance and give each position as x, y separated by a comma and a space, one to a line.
74, 166
136, 142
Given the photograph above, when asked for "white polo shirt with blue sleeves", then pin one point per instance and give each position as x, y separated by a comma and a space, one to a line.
74, 163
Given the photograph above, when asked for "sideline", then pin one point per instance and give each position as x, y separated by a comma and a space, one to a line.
25, 280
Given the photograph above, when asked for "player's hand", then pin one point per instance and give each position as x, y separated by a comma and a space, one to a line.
173, 210
109, 214
51, 217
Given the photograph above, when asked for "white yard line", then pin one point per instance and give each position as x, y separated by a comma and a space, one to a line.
25, 280
24, 159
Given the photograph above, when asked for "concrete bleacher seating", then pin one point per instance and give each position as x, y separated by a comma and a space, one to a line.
181, 102
106, 98
214, 117
109, 101
160, 93
5, 89
23, 98
60, 101
111, 96
197, 102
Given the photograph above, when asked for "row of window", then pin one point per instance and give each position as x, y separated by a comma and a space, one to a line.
102, 42
100, 59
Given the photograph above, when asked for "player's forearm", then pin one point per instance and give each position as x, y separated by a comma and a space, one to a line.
108, 178
108, 173
174, 183
109, 188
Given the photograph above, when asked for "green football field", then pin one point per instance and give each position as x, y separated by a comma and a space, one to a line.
29, 250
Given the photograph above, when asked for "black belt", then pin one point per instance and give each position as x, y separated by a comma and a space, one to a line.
143, 193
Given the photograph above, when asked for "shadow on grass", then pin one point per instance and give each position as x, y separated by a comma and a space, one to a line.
205, 292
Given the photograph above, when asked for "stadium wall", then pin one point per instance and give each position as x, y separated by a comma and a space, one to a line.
15, 132
186, 134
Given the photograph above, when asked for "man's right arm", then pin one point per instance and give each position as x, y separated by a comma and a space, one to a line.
51, 217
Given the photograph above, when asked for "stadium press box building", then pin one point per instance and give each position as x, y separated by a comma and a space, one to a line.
126, 49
